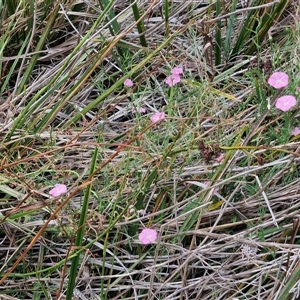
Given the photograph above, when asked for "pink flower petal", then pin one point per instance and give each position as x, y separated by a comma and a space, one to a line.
296, 131
278, 80
58, 190
141, 110
158, 116
216, 189
169, 81
128, 82
177, 71
172, 79
147, 236
220, 157
285, 103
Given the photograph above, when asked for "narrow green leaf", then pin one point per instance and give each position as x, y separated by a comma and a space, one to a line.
294, 278
218, 36
167, 25
113, 26
81, 228
267, 20
230, 30
39, 47
18, 122
12, 69
140, 24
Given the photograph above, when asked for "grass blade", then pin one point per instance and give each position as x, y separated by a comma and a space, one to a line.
140, 23
81, 229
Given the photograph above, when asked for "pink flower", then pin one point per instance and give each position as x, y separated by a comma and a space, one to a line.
58, 190
172, 79
284, 103
158, 116
278, 80
296, 131
220, 157
207, 183
147, 236
141, 110
128, 82
177, 71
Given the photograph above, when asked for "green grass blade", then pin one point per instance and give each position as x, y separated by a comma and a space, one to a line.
244, 34
22, 118
294, 278
267, 21
113, 26
12, 69
190, 220
81, 228
230, 30
39, 47
11, 7
218, 36
35, 102
140, 24
167, 24
115, 86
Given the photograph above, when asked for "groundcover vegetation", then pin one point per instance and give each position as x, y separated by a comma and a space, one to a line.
149, 149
